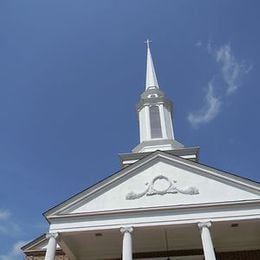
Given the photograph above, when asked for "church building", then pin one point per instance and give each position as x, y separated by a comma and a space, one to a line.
162, 204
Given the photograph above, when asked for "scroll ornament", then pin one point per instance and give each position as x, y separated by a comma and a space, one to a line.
170, 188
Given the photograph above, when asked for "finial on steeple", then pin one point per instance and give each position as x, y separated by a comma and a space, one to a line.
151, 79
147, 42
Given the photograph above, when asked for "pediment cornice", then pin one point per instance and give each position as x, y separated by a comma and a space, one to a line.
140, 166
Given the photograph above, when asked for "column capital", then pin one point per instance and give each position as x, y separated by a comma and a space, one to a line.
206, 224
54, 235
126, 230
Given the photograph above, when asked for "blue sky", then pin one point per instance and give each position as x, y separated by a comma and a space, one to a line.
71, 73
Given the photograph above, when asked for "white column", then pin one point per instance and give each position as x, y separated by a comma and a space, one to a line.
208, 248
163, 122
51, 247
127, 253
147, 123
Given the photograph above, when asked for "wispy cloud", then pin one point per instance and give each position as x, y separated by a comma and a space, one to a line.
7, 225
15, 252
232, 69
198, 44
209, 110
10, 230
227, 79
4, 214
209, 47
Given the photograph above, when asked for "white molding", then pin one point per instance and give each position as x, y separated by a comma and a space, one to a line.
175, 207
155, 218
154, 222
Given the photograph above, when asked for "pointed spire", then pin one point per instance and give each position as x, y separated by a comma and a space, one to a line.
151, 79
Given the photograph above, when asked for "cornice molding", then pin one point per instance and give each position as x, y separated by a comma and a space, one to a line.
220, 205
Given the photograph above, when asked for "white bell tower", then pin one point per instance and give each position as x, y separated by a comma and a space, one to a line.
154, 114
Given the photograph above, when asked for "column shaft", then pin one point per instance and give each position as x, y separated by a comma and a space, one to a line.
147, 123
127, 253
163, 122
207, 244
51, 247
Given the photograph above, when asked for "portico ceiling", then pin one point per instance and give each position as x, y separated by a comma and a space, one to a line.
152, 242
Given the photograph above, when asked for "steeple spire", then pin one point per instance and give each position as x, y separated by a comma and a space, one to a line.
151, 79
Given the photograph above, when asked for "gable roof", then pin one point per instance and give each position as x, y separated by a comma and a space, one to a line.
152, 158
35, 243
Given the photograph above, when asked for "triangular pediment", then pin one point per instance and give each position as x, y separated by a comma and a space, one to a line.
160, 180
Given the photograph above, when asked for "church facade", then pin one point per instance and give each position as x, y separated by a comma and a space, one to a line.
162, 204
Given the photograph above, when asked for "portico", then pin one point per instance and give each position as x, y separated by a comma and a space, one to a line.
184, 241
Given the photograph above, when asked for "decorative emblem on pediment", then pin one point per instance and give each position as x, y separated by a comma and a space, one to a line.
161, 185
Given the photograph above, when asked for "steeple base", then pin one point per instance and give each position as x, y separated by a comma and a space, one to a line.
191, 153
153, 145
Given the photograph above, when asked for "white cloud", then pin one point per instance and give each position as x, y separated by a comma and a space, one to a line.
9, 228
4, 214
15, 252
209, 111
232, 69
7, 225
227, 80
198, 44
4, 220
209, 47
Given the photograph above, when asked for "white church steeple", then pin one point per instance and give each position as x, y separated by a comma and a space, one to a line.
154, 113
151, 79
